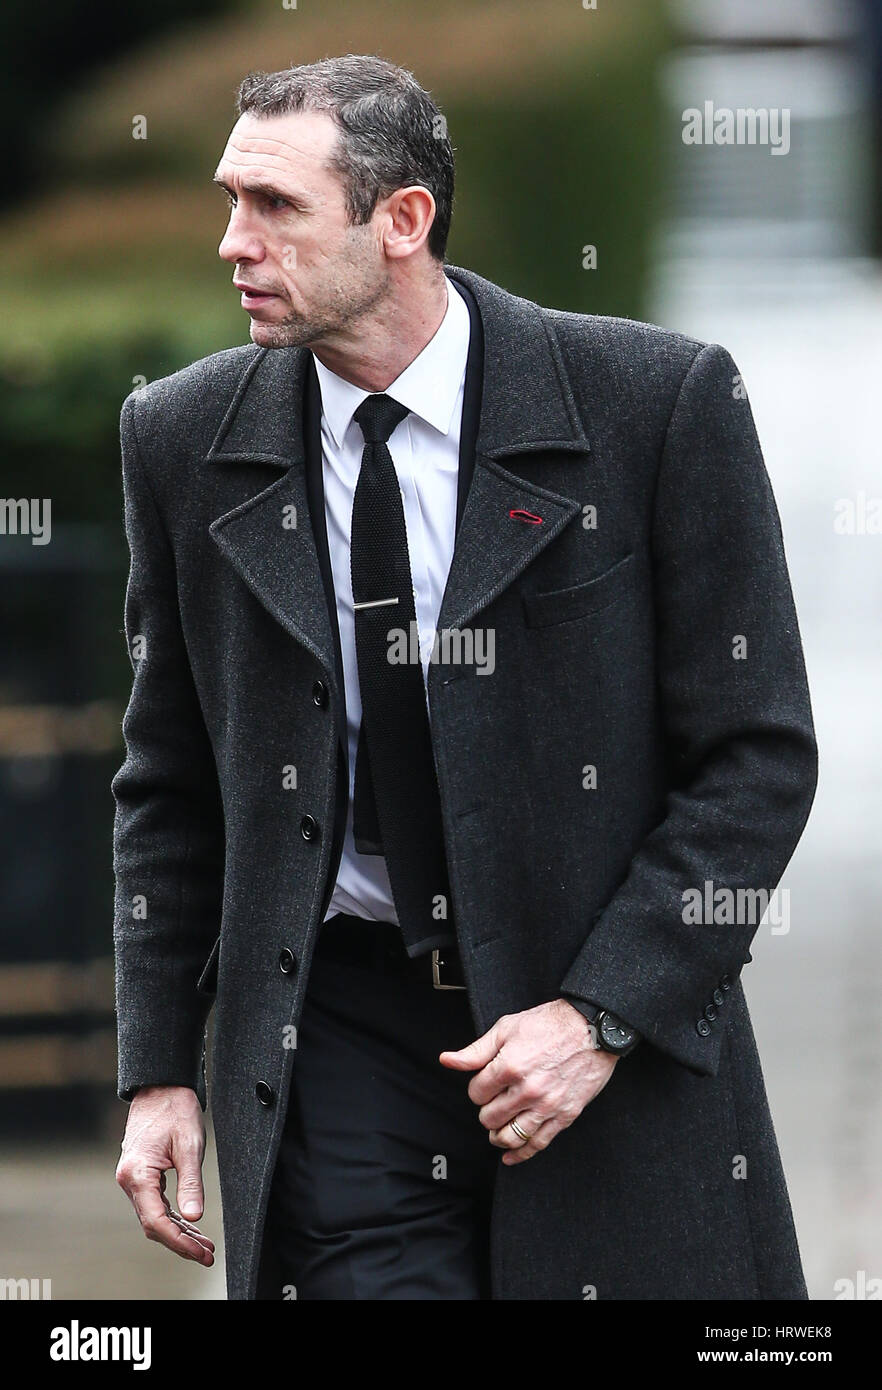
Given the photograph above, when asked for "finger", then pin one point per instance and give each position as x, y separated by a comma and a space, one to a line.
157, 1225
498, 1077
187, 1226
511, 1103
538, 1141
163, 1225
506, 1137
190, 1229
191, 1198
477, 1054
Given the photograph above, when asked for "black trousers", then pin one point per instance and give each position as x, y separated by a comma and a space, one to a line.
384, 1180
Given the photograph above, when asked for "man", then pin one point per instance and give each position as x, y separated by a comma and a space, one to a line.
466, 662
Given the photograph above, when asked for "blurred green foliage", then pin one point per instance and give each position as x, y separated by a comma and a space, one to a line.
543, 173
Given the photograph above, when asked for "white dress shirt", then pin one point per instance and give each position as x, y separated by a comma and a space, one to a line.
425, 452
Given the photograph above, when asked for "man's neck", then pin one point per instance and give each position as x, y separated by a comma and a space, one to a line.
377, 353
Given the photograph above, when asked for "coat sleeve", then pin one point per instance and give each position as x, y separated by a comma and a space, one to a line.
737, 724
168, 827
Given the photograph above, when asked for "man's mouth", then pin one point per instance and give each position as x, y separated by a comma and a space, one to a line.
252, 297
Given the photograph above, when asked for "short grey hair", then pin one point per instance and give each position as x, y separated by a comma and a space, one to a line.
392, 134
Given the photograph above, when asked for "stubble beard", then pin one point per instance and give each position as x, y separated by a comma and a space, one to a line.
348, 301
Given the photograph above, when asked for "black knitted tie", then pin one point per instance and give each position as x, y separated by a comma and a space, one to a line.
397, 809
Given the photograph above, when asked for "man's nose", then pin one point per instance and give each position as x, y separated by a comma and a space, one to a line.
238, 243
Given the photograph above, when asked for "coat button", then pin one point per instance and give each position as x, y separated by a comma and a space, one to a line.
703, 1027
320, 694
710, 1012
287, 961
309, 828
718, 997
725, 983
265, 1093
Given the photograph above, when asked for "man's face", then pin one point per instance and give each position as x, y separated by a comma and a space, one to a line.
303, 271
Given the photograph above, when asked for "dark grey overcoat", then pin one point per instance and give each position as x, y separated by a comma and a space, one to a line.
645, 629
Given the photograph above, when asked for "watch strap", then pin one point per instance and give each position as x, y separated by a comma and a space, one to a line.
584, 1006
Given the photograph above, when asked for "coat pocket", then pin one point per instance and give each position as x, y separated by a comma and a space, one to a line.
590, 596
207, 982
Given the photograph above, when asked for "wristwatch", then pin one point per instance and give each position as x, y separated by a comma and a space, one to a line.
613, 1034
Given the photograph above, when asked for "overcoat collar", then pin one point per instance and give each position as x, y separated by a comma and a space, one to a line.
527, 406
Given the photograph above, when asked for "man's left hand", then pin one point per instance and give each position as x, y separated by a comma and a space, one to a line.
540, 1068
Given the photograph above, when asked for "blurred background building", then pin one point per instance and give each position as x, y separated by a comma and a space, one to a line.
568, 121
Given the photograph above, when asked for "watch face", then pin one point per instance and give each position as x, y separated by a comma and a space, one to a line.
616, 1035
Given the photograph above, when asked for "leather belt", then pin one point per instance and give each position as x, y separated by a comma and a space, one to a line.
379, 946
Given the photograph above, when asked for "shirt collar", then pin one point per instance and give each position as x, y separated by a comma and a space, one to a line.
428, 386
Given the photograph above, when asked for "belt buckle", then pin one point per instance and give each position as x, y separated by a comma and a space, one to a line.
437, 967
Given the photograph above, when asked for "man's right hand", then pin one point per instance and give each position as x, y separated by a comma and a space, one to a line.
165, 1130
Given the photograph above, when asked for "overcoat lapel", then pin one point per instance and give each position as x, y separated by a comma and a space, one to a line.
268, 538
526, 408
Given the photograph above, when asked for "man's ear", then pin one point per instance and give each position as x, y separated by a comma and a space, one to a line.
406, 220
